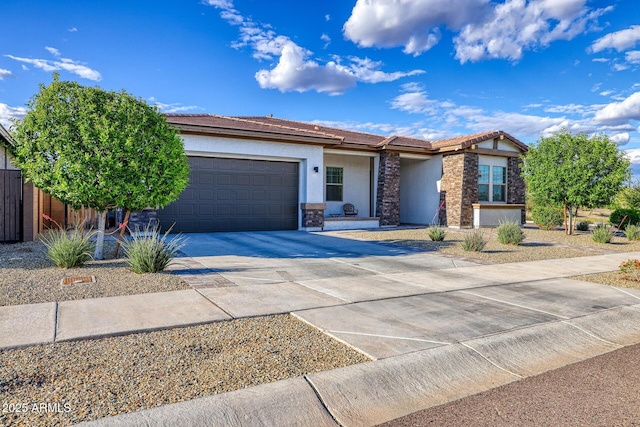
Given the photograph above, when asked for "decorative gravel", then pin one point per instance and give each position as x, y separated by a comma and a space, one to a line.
613, 278
536, 246
94, 379
27, 276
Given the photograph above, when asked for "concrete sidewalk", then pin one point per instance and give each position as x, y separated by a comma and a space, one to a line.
438, 335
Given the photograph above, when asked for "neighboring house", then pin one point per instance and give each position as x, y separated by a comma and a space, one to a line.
16, 197
264, 173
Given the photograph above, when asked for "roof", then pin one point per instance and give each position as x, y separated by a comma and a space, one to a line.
5, 137
272, 128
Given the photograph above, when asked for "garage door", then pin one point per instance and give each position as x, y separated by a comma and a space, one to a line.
236, 195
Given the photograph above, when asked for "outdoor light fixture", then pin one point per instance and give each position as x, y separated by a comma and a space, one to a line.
315, 169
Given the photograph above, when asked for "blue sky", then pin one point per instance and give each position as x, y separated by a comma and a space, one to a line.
427, 68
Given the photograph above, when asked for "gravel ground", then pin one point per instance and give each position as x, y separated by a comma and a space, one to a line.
601, 391
124, 374
538, 244
27, 276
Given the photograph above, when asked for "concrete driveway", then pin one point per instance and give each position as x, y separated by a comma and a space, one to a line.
387, 300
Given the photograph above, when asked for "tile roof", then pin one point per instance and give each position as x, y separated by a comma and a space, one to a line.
332, 136
468, 140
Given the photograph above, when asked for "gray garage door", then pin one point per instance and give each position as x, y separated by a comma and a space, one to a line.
236, 195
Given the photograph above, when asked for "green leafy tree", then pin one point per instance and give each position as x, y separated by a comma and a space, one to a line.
99, 149
575, 171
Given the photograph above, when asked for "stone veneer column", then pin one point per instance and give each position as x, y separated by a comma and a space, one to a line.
460, 187
515, 186
313, 215
388, 197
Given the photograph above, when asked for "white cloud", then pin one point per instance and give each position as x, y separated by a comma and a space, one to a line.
413, 100
53, 51
4, 73
619, 40
326, 39
295, 72
173, 108
621, 138
63, 64
600, 60
73, 30
7, 113
620, 67
518, 25
327, 17
296, 69
606, 92
485, 29
620, 112
24, 67
412, 24
633, 56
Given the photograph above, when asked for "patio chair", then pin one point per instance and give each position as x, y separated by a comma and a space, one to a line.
349, 210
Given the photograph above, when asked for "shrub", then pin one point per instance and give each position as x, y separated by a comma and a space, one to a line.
602, 234
631, 269
583, 226
616, 217
437, 233
510, 233
547, 217
149, 251
68, 249
632, 232
474, 241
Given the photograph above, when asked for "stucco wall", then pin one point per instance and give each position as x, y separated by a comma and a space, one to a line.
502, 145
356, 183
5, 162
419, 196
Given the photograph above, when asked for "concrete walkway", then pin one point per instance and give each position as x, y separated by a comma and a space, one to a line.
439, 334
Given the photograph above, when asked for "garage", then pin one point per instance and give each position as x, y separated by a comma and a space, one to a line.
236, 195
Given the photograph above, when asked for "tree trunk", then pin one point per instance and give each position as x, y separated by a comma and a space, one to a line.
570, 221
102, 220
566, 228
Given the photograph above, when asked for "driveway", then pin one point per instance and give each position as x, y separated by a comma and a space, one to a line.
386, 300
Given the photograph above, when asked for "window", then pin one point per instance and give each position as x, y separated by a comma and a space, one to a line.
334, 184
492, 183
483, 183
499, 183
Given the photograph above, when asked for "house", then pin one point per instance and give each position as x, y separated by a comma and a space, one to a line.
265, 173
16, 197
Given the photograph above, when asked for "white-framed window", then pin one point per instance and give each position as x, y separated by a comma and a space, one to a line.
335, 181
492, 183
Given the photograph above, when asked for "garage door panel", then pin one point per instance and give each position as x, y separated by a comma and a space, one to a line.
236, 194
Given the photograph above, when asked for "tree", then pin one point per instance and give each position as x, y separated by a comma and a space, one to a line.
99, 149
575, 171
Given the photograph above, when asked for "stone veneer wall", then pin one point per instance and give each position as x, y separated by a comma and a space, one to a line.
388, 197
515, 185
312, 217
460, 186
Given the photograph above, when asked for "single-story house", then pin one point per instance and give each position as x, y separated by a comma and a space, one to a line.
265, 173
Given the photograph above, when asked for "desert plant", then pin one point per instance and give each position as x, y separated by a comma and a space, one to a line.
583, 226
68, 249
547, 217
510, 233
632, 232
602, 234
437, 233
474, 241
621, 218
149, 251
631, 269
